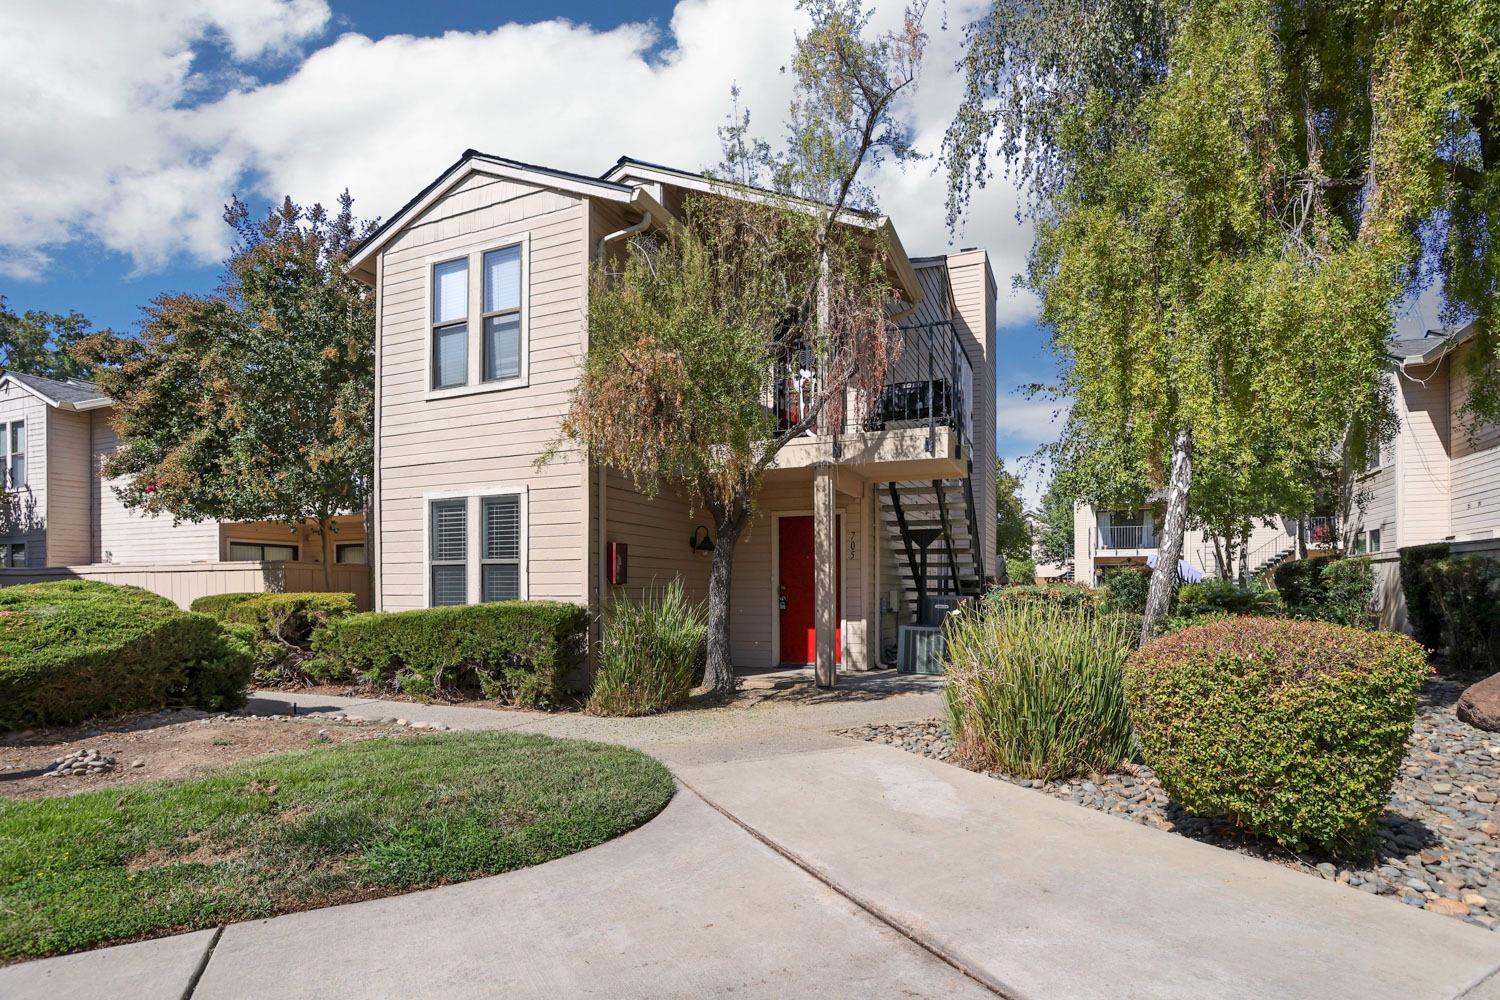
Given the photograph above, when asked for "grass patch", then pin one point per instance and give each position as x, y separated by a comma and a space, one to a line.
307, 829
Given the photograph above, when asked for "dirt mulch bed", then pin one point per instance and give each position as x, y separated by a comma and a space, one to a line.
170, 744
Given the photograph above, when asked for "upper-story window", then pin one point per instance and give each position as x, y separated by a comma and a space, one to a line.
13, 443
450, 324
491, 352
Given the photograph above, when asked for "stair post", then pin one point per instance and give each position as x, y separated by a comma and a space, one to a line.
825, 574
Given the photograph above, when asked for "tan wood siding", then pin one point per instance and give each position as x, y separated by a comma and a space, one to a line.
24, 518
488, 438
69, 488
122, 535
1423, 486
1475, 504
974, 318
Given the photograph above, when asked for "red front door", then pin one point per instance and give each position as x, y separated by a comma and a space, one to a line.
798, 590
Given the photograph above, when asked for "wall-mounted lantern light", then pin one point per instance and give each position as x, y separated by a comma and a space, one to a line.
699, 542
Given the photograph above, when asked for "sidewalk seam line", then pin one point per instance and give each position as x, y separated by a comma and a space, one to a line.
1487, 977
863, 905
208, 953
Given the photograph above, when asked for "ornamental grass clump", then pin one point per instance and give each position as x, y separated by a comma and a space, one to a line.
652, 654
1036, 690
1293, 730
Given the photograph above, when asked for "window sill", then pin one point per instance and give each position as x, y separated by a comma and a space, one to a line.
473, 390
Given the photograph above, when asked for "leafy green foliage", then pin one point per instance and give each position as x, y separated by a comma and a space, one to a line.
40, 343
1060, 595
1125, 590
1210, 597
1349, 593
1422, 612
1036, 688
1337, 590
73, 650
1012, 531
1293, 730
306, 829
1020, 571
1056, 537
1466, 593
652, 653
281, 627
256, 402
524, 652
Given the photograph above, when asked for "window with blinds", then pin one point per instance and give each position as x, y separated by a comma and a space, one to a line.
450, 552
500, 563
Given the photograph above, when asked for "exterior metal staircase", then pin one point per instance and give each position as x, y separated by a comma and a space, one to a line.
933, 528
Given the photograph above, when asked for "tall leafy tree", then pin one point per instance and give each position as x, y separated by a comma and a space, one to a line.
690, 338
1232, 199
40, 343
255, 402
1012, 532
1055, 540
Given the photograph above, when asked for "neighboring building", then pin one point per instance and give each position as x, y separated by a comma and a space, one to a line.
482, 290
61, 519
1105, 539
1439, 478
1046, 572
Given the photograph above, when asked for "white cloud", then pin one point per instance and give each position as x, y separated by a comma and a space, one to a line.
1029, 420
105, 143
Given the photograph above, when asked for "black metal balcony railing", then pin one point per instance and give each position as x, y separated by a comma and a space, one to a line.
932, 386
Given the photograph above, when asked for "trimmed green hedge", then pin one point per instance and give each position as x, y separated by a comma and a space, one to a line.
1059, 595
519, 651
281, 627
1336, 590
1125, 590
76, 649
1422, 612
1300, 584
1211, 597
1465, 590
1294, 730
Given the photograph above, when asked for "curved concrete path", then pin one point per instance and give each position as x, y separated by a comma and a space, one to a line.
796, 863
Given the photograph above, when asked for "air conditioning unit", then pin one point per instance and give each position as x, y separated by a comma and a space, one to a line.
920, 650
937, 607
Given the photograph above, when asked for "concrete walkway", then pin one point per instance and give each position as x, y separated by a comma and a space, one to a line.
797, 863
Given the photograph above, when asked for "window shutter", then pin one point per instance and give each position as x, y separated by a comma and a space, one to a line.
450, 536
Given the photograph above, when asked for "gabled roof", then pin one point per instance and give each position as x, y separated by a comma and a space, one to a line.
64, 394
361, 259
628, 166
1430, 347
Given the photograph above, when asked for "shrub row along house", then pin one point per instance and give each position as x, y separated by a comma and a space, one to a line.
61, 518
1437, 480
482, 287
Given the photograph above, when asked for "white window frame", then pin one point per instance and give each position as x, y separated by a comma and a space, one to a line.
474, 557
474, 321
8, 457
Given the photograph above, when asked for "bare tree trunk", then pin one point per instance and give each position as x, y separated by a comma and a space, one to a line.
1169, 545
325, 524
718, 674
1244, 573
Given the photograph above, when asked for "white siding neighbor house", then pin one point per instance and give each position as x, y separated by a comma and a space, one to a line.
61, 519
482, 290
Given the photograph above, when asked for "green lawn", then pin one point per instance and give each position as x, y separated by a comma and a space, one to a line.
307, 829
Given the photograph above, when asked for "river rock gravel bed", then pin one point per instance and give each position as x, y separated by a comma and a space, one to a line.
1439, 839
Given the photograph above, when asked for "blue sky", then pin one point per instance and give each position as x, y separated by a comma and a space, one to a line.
127, 132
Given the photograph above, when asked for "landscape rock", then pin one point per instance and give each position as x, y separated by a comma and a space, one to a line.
1479, 705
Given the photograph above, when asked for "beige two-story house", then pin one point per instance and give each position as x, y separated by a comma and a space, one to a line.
482, 288
1438, 480
60, 517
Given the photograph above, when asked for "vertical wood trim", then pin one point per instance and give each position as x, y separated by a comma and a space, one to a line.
373, 547
825, 574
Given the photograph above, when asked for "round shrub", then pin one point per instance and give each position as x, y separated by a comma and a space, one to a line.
1036, 688
76, 649
1125, 590
1208, 597
1293, 730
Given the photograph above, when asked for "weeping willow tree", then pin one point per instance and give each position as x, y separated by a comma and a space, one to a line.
1232, 200
779, 269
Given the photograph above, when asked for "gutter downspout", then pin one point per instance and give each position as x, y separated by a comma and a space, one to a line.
604, 241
